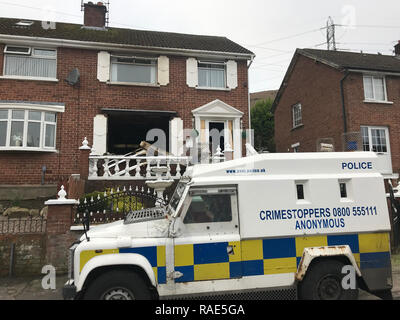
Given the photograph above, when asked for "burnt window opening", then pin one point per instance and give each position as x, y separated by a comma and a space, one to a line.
127, 130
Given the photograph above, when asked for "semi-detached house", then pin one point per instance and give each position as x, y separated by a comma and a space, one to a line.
341, 101
62, 82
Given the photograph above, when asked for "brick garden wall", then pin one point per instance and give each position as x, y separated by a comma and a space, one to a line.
29, 253
87, 99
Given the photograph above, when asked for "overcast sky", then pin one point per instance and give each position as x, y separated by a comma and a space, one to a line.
271, 29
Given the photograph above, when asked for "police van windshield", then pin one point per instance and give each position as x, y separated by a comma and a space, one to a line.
176, 197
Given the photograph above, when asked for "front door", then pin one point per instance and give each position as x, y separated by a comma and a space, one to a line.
209, 245
216, 136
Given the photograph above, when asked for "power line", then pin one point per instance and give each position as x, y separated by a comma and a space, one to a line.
287, 37
62, 13
40, 9
367, 26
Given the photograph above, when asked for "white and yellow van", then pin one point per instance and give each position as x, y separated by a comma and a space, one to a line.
266, 226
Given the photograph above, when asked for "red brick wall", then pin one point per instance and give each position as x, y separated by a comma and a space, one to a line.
83, 102
317, 88
375, 114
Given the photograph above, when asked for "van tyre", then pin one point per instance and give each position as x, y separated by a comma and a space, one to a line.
118, 285
323, 281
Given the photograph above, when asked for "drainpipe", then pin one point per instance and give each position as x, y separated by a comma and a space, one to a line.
248, 99
343, 102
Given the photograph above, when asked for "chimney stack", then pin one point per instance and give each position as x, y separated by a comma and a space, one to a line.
95, 15
397, 49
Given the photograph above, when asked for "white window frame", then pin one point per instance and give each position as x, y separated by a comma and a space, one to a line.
153, 59
370, 128
7, 51
295, 147
30, 52
43, 122
211, 227
297, 121
374, 99
220, 63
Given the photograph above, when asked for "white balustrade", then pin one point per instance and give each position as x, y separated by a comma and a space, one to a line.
135, 167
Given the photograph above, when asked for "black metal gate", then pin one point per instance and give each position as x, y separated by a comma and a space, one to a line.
112, 205
395, 206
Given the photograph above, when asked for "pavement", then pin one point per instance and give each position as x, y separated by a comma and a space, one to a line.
30, 288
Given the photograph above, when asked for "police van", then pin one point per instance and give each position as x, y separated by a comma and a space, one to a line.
268, 226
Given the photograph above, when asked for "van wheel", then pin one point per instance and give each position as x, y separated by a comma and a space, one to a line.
118, 285
324, 282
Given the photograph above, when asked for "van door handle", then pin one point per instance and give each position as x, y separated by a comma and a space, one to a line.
229, 250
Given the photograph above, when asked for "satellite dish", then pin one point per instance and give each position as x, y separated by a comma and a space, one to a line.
73, 77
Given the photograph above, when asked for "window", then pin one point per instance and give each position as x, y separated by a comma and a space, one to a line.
300, 191
133, 69
375, 139
296, 147
28, 129
30, 62
343, 189
212, 74
375, 88
297, 118
209, 208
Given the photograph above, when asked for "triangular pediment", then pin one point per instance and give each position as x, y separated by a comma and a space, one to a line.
217, 107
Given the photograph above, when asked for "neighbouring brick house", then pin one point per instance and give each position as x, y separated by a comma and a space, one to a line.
262, 95
62, 82
345, 100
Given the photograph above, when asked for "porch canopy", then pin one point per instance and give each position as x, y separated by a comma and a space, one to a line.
127, 127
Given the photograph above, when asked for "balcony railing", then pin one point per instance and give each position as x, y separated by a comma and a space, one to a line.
116, 167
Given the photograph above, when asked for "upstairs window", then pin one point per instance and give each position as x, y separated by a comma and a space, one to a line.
30, 62
133, 69
374, 88
212, 74
296, 115
27, 129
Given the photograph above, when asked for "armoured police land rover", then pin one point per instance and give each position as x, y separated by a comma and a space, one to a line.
264, 226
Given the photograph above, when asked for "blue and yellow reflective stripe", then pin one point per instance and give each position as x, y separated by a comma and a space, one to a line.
89, 254
210, 261
282, 255
207, 261
156, 256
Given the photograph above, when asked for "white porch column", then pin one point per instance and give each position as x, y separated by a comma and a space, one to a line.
100, 134
176, 136
237, 139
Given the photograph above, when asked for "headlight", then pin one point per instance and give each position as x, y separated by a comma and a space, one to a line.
71, 260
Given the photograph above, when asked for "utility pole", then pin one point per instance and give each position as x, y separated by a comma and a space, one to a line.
330, 34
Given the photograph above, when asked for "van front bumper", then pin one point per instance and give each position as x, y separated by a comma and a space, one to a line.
69, 290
